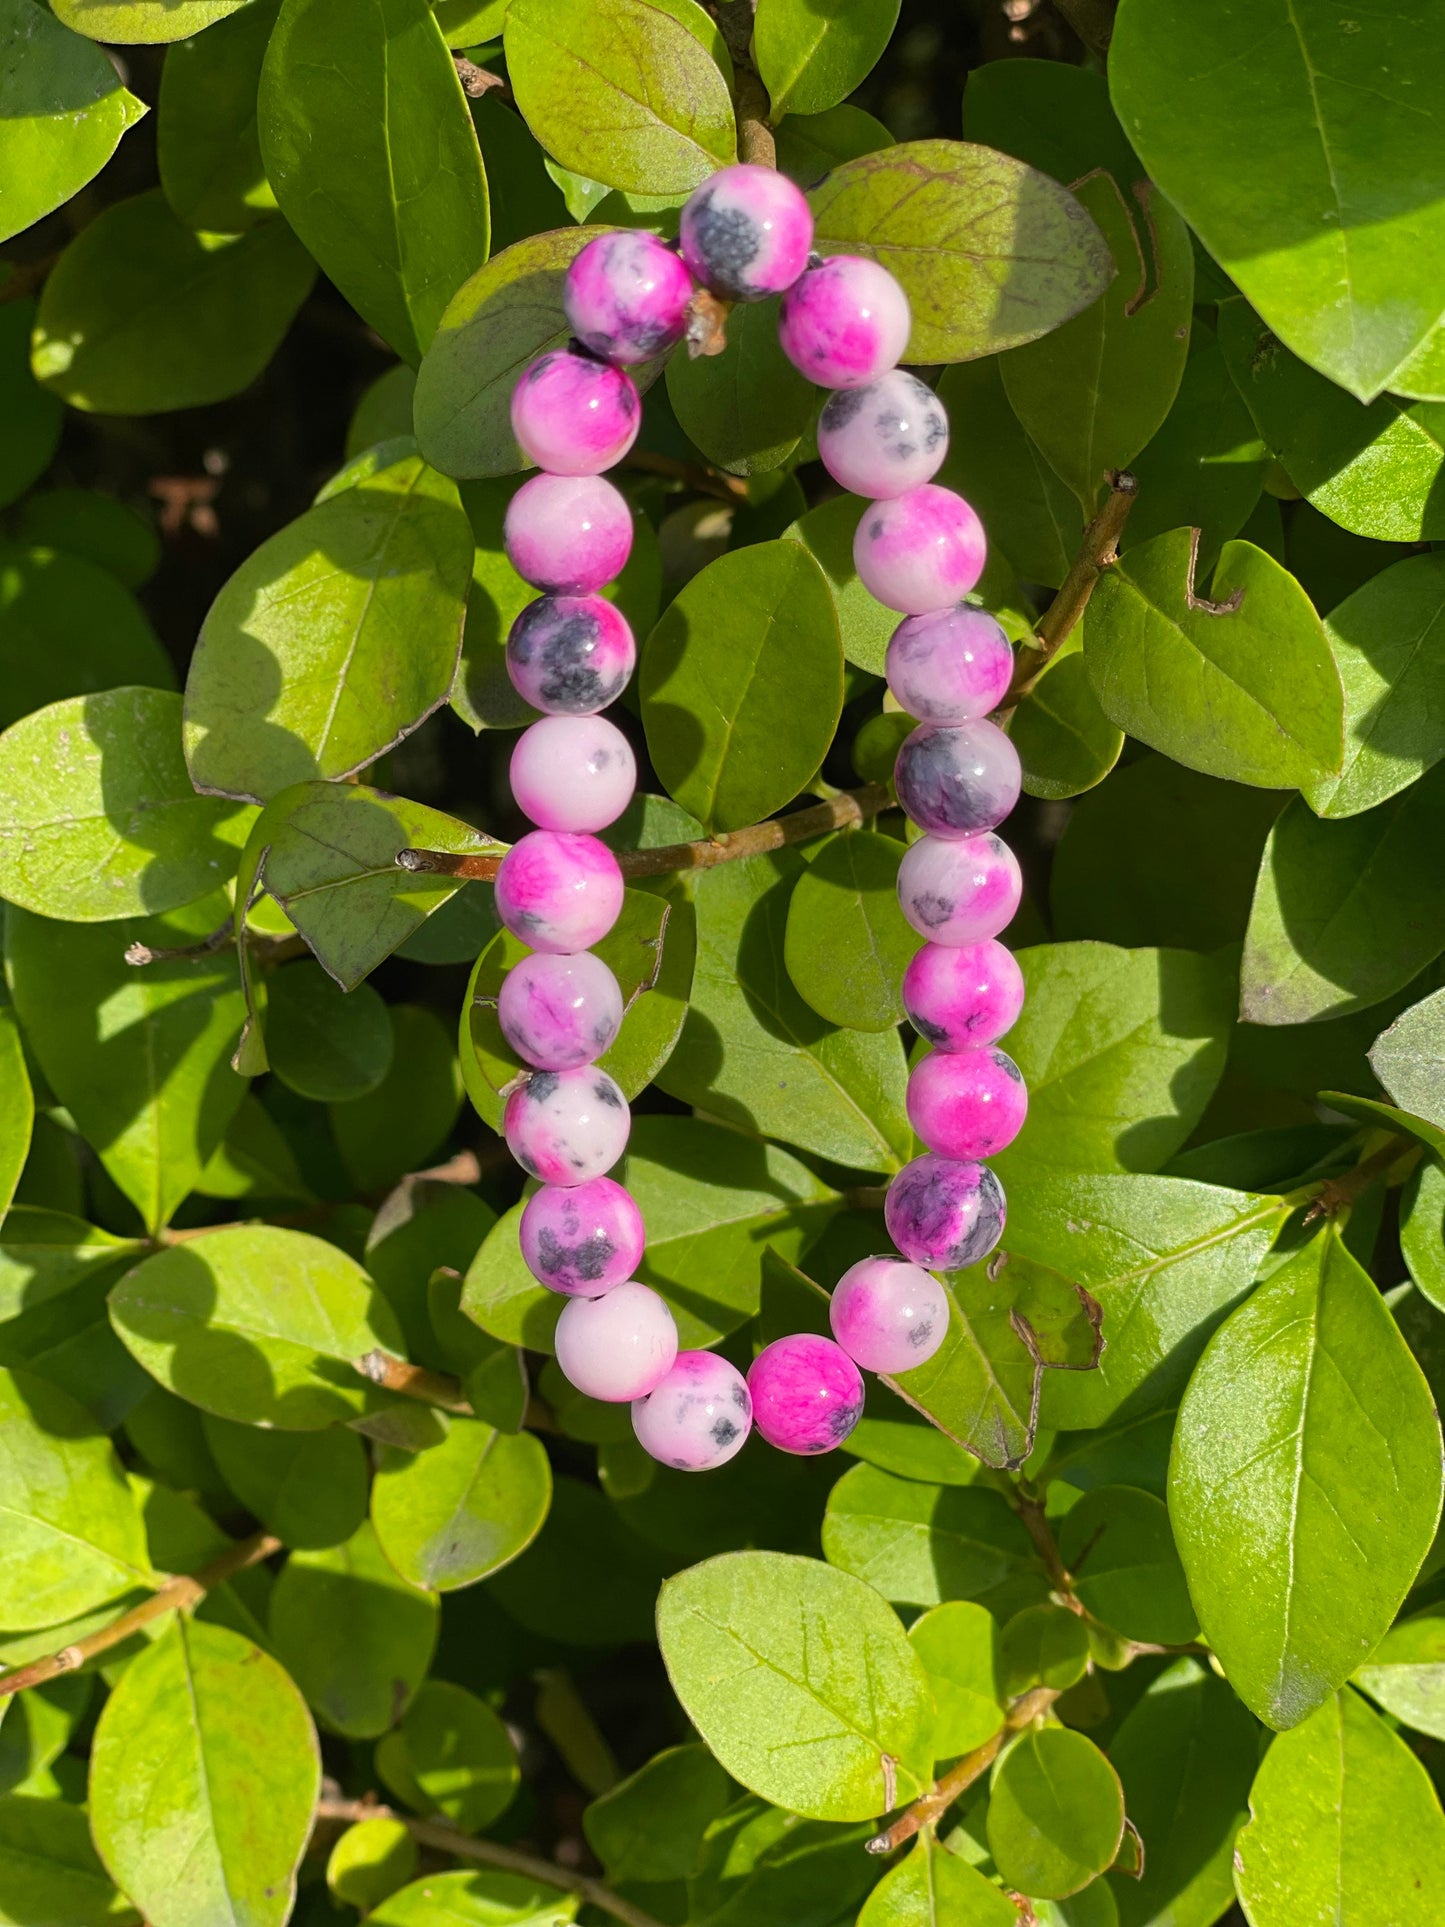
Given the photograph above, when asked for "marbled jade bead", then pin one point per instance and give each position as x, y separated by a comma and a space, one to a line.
569, 534
952, 666
572, 415
698, 1416
746, 232
967, 1104
559, 892
565, 1127
957, 999
955, 781
573, 773
959, 890
619, 1347
921, 551
559, 1013
807, 1394
845, 322
570, 655
943, 1214
626, 295
888, 1315
581, 1239
886, 439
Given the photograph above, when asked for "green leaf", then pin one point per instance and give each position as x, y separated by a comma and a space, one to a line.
1406, 1673
17, 1119
958, 1645
766, 1868
370, 148
1056, 1813
207, 144
1240, 684
1305, 1484
256, 1323
1343, 1818
322, 1042
43, 1254
142, 22
1422, 1229
921, 1544
990, 252
1205, 466
748, 407
460, 1510
1065, 742
68, 628
1054, 116
625, 91
50, 1871
372, 1859
651, 1825
100, 529
203, 1779
334, 639
32, 413
826, 532
1117, 1543
1043, 1646
933, 1887
451, 1755
483, 1899
847, 942
309, 1488
1029, 513
64, 111
525, 199
141, 315
393, 1130
812, 58
1409, 1058
811, 145
802, 1682
557, 1587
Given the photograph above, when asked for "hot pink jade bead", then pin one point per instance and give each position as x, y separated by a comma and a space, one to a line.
746, 232
845, 322
698, 1416
559, 1013
558, 892
943, 1214
582, 1239
565, 1127
951, 666
958, 780
888, 1315
807, 1394
959, 890
616, 1348
573, 773
572, 415
956, 999
885, 439
569, 534
921, 551
625, 296
967, 1104
570, 655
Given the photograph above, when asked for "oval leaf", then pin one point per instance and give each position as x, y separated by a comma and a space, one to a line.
1055, 1813
457, 1511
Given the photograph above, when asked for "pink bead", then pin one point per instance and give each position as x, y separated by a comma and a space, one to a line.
581, 1239
573, 773
746, 232
565, 1127
956, 999
943, 1214
888, 1315
698, 1416
572, 415
559, 892
886, 439
921, 551
568, 533
625, 296
570, 655
619, 1347
951, 666
958, 780
559, 1013
959, 890
967, 1104
845, 323
806, 1392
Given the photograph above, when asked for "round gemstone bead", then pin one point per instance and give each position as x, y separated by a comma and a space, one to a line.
573, 773
565, 1127
806, 1392
888, 1315
951, 666
559, 892
569, 534
944, 1215
559, 1013
619, 1347
581, 1239
698, 1416
967, 1104
845, 322
746, 232
956, 999
570, 655
921, 551
625, 296
958, 780
886, 439
959, 890
572, 415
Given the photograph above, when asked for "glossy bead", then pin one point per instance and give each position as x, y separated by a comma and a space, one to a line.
698, 1416
944, 1215
956, 999
746, 232
888, 1315
959, 890
958, 780
573, 773
565, 1127
951, 666
845, 322
807, 1394
921, 551
559, 1013
569, 534
617, 1348
581, 1239
557, 892
572, 415
886, 439
570, 655
625, 296
967, 1104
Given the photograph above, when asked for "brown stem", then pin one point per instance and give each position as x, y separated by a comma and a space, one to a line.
413, 1381
703, 481
750, 98
1098, 551
934, 1804
188, 1589
1335, 1193
477, 81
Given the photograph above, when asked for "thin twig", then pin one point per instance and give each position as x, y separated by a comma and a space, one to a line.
1098, 551
701, 480
934, 1804
750, 97
413, 1381
1335, 1193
